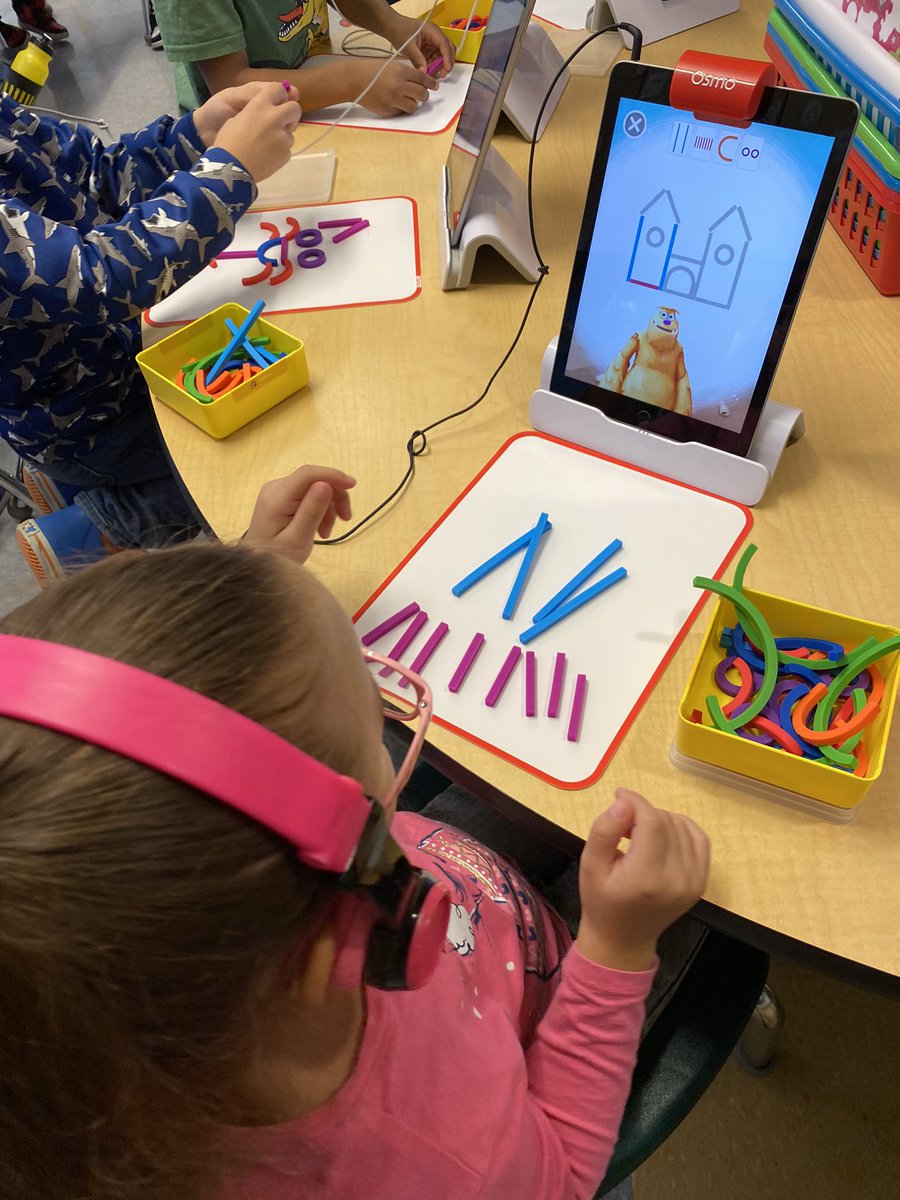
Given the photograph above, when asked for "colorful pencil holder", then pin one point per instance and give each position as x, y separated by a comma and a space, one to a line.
224, 414
467, 44
800, 782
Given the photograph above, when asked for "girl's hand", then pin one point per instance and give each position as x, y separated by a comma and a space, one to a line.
211, 116
428, 44
261, 134
290, 512
400, 87
628, 899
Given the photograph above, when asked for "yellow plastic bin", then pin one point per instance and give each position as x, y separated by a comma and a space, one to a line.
450, 10
801, 782
161, 363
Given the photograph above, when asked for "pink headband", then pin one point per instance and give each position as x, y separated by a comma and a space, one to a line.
189, 737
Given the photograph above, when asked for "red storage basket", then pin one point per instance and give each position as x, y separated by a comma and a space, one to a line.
864, 211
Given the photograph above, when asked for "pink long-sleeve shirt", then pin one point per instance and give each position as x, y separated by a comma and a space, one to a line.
504, 1078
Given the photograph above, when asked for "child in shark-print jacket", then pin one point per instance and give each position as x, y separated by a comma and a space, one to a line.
90, 236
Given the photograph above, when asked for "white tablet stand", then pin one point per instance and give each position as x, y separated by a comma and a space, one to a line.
658, 19
728, 475
537, 64
498, 212
497, 217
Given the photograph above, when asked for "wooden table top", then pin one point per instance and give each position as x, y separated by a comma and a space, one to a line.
828, 528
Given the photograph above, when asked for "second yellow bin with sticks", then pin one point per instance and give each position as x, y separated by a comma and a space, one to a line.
710, 751
446, 11
224, 414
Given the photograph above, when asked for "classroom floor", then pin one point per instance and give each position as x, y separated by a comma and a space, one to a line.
824, 1125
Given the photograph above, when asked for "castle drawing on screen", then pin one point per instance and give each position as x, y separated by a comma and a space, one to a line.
697, 232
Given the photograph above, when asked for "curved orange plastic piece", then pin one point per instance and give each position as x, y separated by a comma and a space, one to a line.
777, 734
743, 694
862, 759
258, 278
200, 384
831, 737
222, 384
286, 272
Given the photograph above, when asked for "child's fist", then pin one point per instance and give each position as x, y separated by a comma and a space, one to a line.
261, 134
290, 512
628, 899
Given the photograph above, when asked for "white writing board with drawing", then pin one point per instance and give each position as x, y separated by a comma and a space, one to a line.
308, 257
592, 623
438, 112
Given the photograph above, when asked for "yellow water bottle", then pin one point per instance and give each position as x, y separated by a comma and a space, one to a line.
28, 71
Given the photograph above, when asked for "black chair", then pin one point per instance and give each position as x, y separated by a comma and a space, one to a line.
687, 1046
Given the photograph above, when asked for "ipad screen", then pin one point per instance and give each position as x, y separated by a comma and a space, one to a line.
697, 232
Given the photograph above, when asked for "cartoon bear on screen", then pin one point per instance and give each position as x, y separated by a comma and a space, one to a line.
650, 366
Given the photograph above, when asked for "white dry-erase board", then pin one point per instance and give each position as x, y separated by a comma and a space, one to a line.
621, 642
438, 112
378, 264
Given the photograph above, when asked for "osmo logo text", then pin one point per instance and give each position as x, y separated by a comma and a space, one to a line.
722, 82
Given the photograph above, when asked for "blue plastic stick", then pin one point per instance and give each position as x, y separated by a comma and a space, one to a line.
566, 610
534, 541
254, 352
236, 340
574, 584
494, 561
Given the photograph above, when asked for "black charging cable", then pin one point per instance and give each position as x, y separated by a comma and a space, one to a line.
417, 442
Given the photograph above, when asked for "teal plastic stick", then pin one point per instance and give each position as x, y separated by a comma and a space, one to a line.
512, 600
252, 350
495, 561
245, 328
575, 583
566, 610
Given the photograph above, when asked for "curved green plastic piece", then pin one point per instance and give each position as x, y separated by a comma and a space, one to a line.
824, 664
841, 757
763, 637
741, 569
862, 657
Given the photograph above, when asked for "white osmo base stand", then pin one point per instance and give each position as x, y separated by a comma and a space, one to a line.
728, 475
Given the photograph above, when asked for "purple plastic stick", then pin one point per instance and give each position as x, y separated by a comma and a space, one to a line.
530, 684
406, 640
418, 663
556, 686
465, 663
496, 689
351, 225
236, 254
577, 709
388, 624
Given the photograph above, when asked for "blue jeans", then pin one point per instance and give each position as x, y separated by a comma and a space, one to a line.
129, 488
